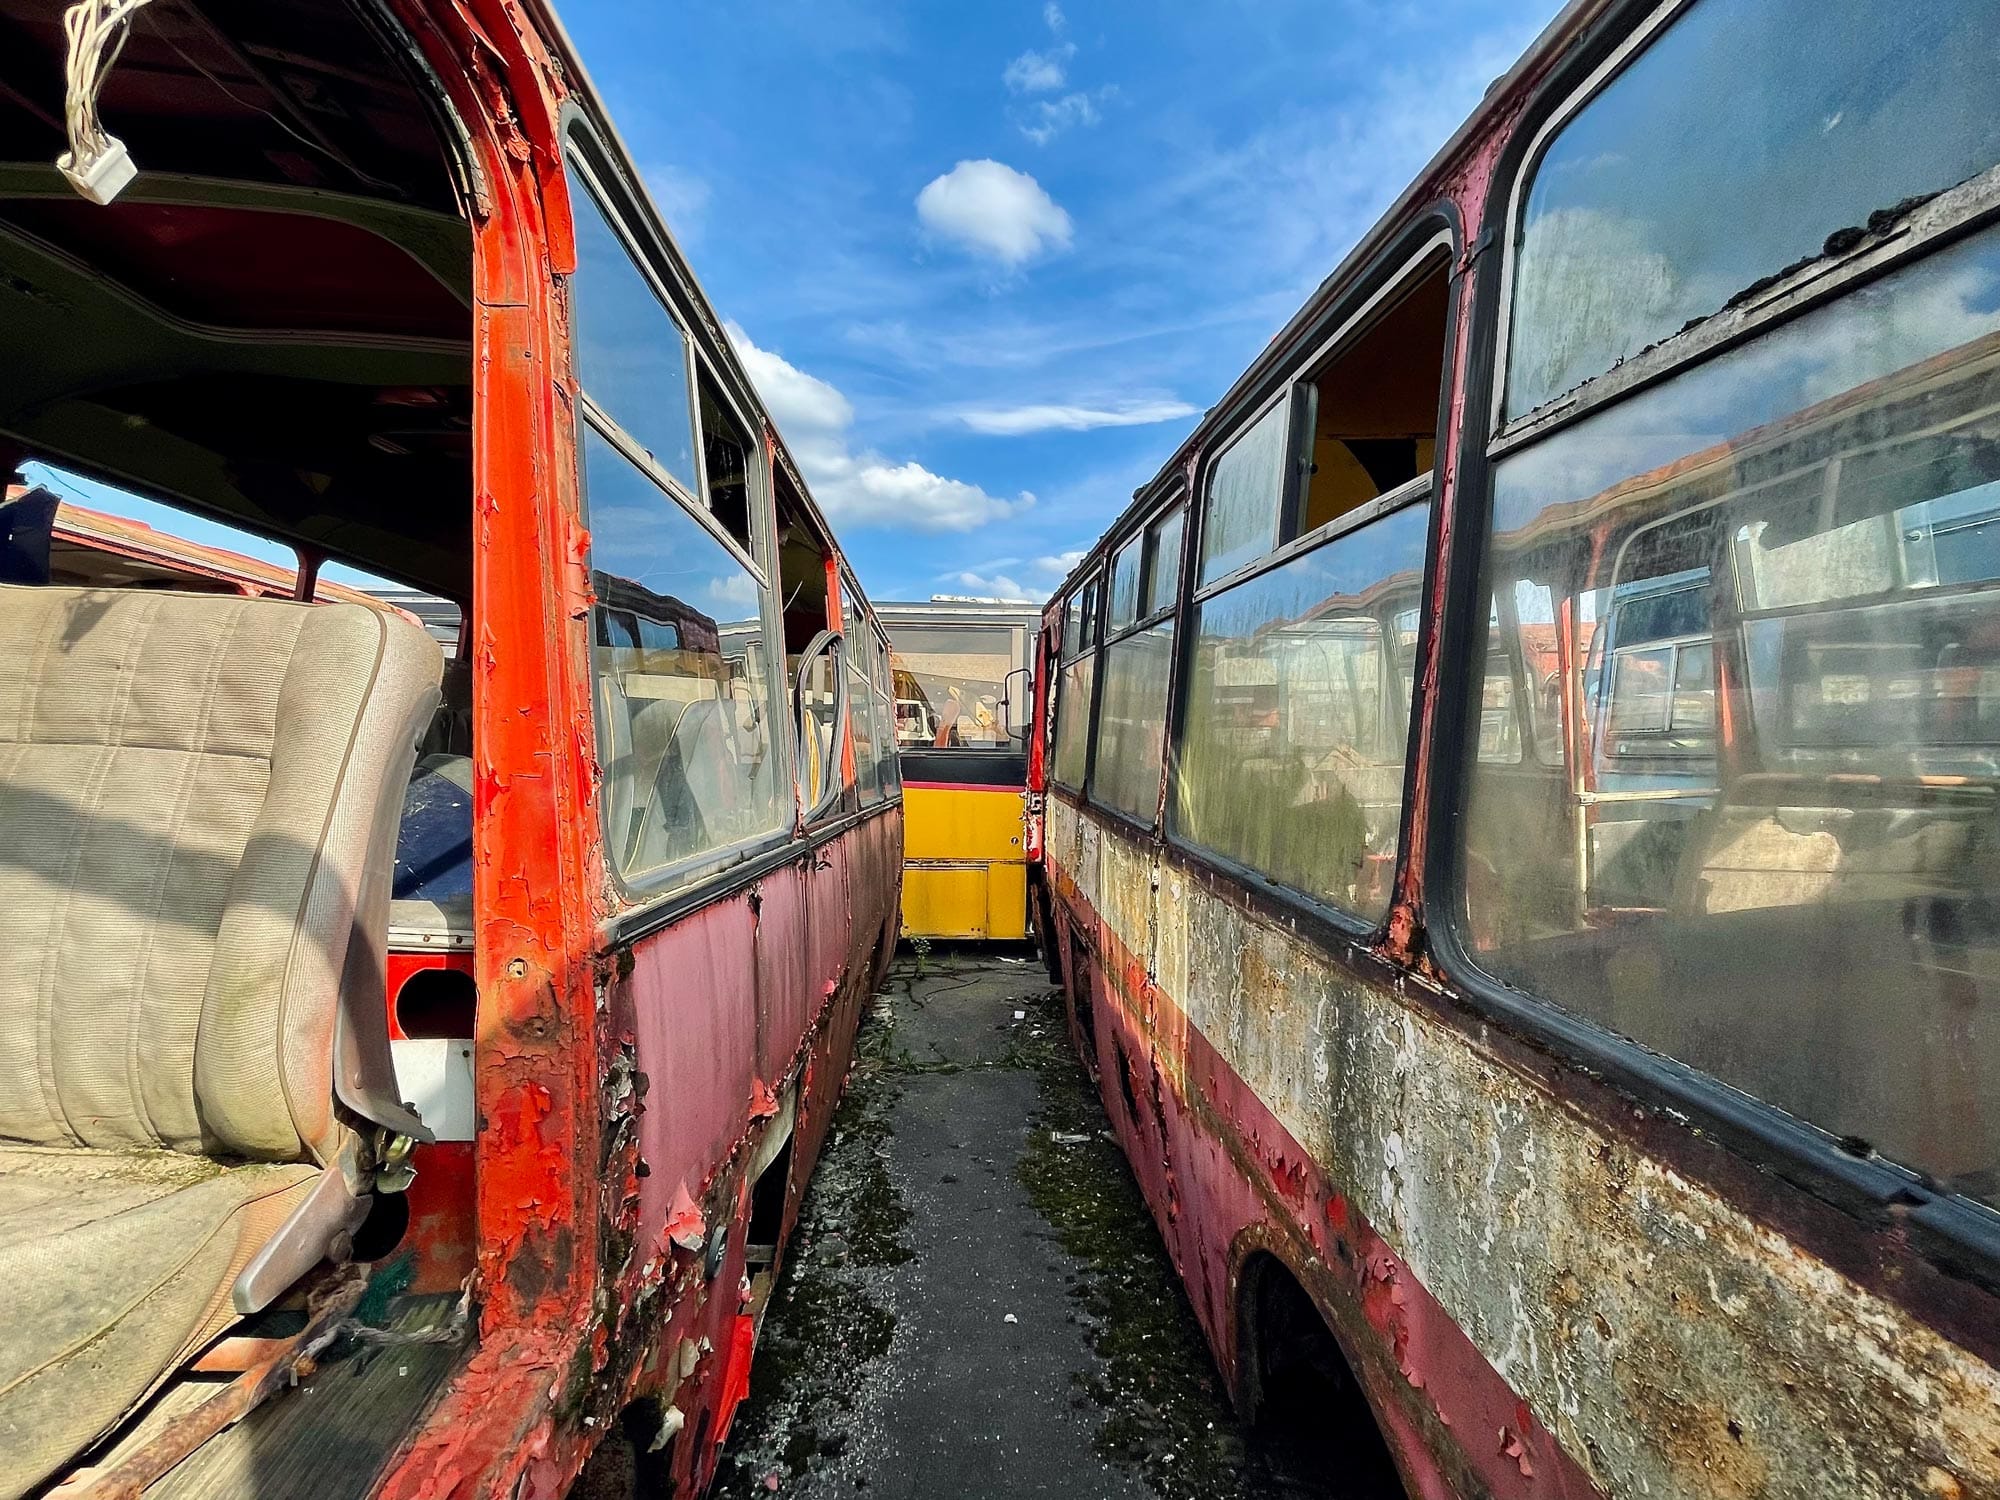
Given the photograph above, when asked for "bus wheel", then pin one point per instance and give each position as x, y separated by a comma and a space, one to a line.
1310, 1426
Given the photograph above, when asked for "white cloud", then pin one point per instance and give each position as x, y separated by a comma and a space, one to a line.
1039, 72
997, 586
796, 399
1060, 563
1052, 16
990, 208
1013, 421
863, 488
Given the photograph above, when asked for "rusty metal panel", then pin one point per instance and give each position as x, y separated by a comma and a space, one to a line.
786, 996
692, 994
1671, 1344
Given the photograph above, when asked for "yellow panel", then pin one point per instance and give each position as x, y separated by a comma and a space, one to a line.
945, 903
970, 824
1007, 902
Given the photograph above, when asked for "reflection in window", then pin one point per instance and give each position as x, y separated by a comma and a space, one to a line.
1245, 491
1291, 761
1131, 721
683, 692
1738, 141
889, 769
951, 686
1163, 562
1072, 746
631, 356
1777, 861
861, 715
1123, 607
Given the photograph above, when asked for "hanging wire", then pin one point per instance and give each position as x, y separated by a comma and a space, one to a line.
97, 31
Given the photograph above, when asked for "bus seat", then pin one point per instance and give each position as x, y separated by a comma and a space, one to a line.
198, 811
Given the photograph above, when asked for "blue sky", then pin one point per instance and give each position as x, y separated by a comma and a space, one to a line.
987, 262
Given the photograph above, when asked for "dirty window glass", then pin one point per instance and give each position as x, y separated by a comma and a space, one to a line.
1291, 760
1131, 722
1163, 563
861, 714
891, 770
1737, 142
1123, 607
1245, 490
1073, 722
631, 356
684, 696
1777, 865
950, 680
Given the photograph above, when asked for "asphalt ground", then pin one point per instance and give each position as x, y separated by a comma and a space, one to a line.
976, 1302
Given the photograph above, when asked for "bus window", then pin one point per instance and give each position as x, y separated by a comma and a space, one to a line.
1072, 748
1874, 105
1776, 860
1122, 608
1290, 759
1130, 735
951, 687
1163, 563
1374, 408
1246, 494
683, 686
631, 356
725, 463
1131, 721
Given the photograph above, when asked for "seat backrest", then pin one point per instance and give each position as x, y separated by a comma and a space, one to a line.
198, 805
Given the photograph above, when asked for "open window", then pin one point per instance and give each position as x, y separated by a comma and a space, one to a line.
1290, 758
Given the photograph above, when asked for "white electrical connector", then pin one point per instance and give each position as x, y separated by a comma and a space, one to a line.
104, 176
97, 164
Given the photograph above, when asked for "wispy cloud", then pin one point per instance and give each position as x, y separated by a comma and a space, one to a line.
988, 207
860, 488
1039, 72
682, 198
1051, 117
1013, 421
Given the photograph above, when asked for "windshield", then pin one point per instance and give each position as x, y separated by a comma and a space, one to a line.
951, 687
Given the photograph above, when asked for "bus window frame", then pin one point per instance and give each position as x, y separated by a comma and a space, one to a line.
1085, 596
1136, 535
1429, 246
1952, 1231
659, 895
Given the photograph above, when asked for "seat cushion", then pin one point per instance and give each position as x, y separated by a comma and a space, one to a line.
194, 790
115, 1267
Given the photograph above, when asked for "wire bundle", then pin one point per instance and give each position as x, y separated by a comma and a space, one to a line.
96, 164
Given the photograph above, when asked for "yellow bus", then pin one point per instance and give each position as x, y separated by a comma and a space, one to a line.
962, 706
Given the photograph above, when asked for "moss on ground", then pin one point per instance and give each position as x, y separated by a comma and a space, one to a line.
1164, 1404
826, 1315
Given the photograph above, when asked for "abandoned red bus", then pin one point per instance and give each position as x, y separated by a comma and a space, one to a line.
1521, 843
444, 1033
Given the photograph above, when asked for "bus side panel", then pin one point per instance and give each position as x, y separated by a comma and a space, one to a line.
1518, 1249
787, 998
693, 999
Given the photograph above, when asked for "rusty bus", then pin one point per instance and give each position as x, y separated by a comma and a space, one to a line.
963, 706
1524, 873
446, 1033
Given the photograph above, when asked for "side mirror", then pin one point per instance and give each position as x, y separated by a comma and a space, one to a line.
819, 740
1016, 729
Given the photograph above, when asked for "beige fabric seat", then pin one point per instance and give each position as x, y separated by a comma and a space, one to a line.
198, 806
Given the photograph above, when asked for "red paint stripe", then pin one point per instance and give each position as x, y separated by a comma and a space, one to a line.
961, 786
